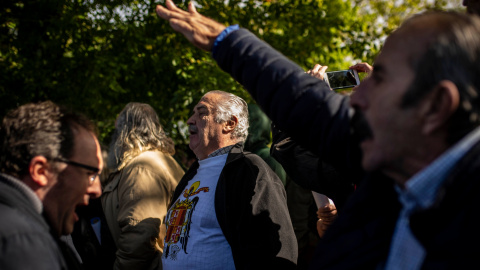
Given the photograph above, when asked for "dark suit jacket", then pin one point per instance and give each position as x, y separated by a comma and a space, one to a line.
318, 119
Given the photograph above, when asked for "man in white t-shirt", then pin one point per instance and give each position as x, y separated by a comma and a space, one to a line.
229, 210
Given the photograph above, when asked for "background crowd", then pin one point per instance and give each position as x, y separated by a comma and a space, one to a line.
390, 160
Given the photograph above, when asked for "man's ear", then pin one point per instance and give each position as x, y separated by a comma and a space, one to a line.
39, 168
230, 125
439, 105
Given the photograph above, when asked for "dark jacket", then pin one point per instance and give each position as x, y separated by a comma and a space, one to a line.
300, 105
259, 137
25, 238
96, 255
250, 204
448, 231
318, 119
307, 170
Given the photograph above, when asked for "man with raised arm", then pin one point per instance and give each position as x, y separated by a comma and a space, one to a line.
416, 125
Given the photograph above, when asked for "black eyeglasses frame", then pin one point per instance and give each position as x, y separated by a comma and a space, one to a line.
73, 163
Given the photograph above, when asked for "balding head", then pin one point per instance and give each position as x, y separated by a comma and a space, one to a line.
422, 95
444, 46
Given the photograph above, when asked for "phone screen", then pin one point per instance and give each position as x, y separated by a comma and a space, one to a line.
342, 79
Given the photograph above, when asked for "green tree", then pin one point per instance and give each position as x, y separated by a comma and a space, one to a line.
96, 56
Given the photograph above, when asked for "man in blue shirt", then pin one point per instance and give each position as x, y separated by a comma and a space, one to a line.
229, 210
415, 133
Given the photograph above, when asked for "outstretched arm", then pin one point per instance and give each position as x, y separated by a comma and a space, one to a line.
302, 106
198, 29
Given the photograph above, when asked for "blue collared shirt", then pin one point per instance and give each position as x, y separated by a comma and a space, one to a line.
420, 193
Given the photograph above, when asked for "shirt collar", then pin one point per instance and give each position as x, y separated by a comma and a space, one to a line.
422, 188
221, 151
22, 187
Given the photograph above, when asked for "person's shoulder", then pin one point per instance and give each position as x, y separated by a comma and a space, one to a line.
246, 157
156, 162
26, 244
15, 222
148, 159
253, 161
149, 155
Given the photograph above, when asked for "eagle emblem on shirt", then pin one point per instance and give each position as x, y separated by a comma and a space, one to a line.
178, 221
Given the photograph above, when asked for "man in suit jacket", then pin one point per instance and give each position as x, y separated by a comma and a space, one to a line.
415, 121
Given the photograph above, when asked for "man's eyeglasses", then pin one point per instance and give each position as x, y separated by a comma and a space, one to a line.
90, 168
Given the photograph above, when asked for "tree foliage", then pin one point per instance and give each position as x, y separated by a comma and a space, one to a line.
96, 56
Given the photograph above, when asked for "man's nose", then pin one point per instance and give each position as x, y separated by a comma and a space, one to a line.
190, 121
95, 189
358, 98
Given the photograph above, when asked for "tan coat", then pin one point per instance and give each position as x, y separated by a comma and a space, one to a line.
135, 203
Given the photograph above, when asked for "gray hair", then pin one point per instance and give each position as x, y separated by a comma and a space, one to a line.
138, 130
452, 53
232, 105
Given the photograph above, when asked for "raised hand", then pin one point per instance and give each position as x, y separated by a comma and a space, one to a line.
198, 29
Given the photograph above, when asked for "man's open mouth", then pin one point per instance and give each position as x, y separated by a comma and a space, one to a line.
192, 130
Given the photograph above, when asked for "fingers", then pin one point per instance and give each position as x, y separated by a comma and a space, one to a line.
327, 209
162, 12
182, 27
191, 8
171, 11
171, 6
327, 213
362, 67
322, 227
326, 216
328, 219
317, 71
319, 68
323, 70
201, 31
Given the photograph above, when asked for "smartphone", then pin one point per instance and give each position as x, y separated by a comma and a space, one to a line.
342, 79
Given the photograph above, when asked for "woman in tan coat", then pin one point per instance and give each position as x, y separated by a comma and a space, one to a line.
136, 195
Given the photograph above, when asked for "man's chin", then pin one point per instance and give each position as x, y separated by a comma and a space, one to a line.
194, 144
368, 160
70, 223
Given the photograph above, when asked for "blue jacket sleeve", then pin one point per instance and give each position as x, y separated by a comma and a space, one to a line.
300, 105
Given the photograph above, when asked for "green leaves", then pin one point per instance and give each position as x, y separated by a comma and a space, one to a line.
96, 56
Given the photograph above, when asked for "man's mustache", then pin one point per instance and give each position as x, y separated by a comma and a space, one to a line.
360, 127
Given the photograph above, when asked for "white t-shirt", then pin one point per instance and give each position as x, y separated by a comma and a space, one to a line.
194, 238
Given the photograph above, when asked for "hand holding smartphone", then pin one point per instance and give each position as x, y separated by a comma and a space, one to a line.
342, 79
